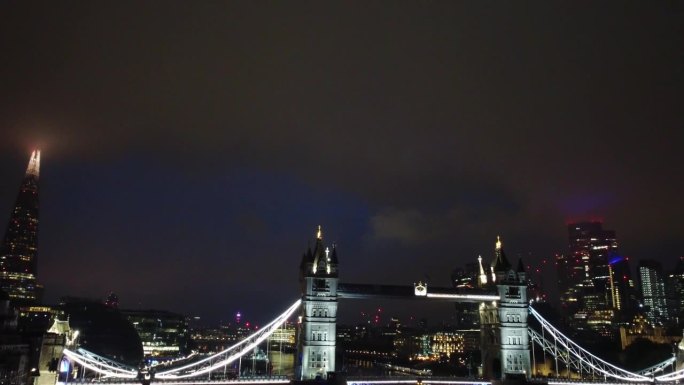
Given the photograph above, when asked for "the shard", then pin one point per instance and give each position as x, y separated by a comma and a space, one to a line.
18, 262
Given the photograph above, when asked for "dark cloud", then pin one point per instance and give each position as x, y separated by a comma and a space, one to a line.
215, 135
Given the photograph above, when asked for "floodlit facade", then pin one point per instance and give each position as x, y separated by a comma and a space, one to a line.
504, 339
18, 252
317, 331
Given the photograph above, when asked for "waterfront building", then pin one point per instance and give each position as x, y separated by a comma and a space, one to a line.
19, 248
447, 343
283, 337
213, 340
162, 333
641, 329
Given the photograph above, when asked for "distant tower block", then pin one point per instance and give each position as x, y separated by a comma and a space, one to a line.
317, 331
18, 260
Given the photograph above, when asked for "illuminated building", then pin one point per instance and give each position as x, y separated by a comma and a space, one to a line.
432, 346
640, 328
283, 337
465, 278
18, 263
570, 276
652, 282
503, 324
593, 279
447, 343
54, 340
217, 339
675, 292
161, 333
319, 277
624, 292
36, 320
601, 321
467, 314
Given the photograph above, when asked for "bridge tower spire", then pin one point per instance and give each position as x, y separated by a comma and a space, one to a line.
504, 339
316, 338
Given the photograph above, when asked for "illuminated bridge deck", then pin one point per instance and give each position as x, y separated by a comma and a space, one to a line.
407, 380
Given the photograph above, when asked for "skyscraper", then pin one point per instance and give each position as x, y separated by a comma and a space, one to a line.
653, 291
623, 290
674, 290
18, 262
585, 272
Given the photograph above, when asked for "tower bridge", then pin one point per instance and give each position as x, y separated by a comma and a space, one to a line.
506, 340
503, 312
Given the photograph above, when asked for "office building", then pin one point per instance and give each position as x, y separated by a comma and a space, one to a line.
674, 290
162, 333
592, 276
652, 284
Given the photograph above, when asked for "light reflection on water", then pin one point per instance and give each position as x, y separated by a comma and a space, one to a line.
282, 363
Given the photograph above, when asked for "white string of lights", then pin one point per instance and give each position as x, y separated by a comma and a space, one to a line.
246, 345
590, 360
110, 368
96, 366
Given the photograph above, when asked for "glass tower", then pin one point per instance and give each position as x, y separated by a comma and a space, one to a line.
585, 271
653, 291
18, 263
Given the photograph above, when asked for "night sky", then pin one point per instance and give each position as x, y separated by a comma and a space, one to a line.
190, 150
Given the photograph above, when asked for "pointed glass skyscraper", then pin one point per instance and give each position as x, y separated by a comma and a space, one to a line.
18, 263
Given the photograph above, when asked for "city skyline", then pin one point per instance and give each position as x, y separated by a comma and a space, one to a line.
595, 226
188, 148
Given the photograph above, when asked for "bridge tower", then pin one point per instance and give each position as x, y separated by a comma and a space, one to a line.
504, 340
317, 331
679, 355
